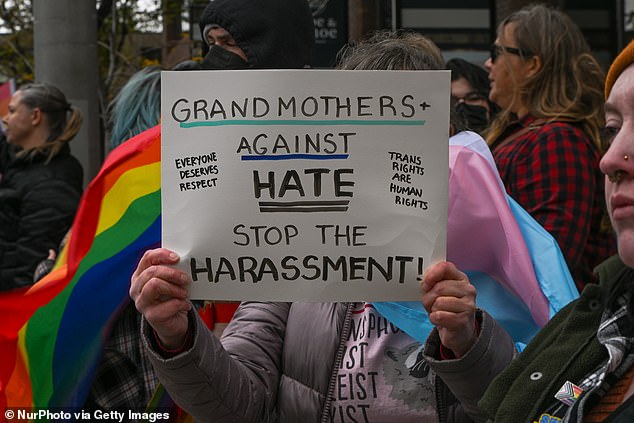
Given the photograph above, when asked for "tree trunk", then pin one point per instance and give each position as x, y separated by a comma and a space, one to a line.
363, 18
175, 48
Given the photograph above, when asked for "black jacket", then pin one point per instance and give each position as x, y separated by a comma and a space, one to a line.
566, 349
37, 206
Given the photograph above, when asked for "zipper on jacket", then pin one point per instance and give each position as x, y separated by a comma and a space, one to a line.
345, 332
441, 407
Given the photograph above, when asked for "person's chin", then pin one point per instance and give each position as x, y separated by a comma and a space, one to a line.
500, 101
493, 96
626, 246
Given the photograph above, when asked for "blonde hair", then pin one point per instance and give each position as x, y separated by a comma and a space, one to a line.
569, 85
64, 120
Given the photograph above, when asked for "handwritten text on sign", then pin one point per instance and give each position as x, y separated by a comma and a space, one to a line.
305, 185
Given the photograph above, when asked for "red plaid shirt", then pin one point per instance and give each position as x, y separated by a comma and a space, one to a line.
553, 172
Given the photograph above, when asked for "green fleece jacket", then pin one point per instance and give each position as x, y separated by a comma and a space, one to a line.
566, 349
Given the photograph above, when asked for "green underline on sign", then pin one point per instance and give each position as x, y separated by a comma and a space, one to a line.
305, 122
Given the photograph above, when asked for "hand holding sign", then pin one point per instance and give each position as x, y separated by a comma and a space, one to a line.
449, 299
160, 293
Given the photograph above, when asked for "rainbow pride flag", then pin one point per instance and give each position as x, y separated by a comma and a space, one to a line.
52, 333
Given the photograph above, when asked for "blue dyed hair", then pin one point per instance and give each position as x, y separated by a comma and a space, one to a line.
136, 107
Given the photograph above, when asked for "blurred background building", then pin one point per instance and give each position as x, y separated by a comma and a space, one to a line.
89, 48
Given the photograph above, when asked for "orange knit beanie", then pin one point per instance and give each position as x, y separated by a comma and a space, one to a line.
622, 61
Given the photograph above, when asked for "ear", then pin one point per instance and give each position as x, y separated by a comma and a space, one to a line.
37, 116
533, 65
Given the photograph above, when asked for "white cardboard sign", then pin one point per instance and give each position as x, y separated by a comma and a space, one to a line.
305, 185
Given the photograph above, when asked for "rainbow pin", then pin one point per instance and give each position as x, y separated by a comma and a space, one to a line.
568, 393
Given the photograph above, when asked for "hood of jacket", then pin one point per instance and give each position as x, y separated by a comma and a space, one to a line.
274, 34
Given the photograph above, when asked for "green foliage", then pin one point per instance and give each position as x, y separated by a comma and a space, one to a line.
116, 21
16, 15
129, 37
16, 40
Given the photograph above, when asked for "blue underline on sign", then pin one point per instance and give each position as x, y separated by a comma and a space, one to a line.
305, 122
297, 156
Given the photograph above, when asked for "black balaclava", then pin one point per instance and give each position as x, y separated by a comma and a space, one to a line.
274, 34
218, 58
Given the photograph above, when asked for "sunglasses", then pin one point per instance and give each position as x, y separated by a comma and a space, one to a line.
497, 49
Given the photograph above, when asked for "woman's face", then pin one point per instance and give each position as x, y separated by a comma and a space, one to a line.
462, 90
18, 121
506, 72
619, 193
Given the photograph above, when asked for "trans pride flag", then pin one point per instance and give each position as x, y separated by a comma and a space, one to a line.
52, 333
519, 273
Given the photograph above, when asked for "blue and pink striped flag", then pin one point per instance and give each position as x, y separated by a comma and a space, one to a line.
519, 272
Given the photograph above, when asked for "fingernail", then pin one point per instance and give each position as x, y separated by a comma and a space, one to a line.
173, 256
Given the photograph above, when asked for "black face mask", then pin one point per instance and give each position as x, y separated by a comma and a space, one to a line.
218, 58
475, 116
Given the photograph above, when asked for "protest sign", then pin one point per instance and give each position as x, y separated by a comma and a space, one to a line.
305, 185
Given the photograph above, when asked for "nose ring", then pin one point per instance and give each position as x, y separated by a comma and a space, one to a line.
616, 176
626, 157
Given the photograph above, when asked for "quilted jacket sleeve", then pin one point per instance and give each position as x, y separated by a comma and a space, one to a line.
234, 380
469, 376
